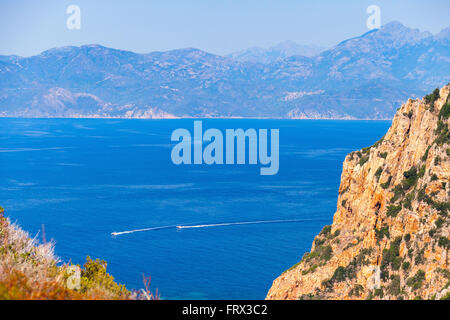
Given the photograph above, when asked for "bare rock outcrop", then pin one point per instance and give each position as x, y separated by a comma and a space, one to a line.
390, 234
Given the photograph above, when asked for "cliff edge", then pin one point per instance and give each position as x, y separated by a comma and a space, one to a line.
390, 234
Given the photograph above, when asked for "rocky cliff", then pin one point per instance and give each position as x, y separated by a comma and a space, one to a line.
390, 234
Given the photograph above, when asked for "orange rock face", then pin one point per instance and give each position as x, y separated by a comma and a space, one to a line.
390, 233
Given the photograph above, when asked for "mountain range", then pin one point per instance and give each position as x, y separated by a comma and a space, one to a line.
280, 51
366, 77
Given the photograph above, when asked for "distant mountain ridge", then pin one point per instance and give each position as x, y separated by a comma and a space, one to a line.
365, 77
280, 51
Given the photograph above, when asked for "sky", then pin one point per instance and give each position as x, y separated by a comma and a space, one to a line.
28, 27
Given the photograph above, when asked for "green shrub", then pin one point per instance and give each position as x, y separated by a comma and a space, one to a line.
425, 156
407, 201
340, 274
379, 172
349, 245
320, 253
361, 258
295, 265
94, 275
406, 265
325, 231
356, 291
363, 160
376, 144
386, 184
422, 171
336, 233
349, 272
410, 178
437, 160
326, 253
391, 256
311, 269
444, 135
421, 195
416, 281
441, 126
420, 257
409, 114
431, 98
439, 222
379, 293
319, 241
383, 155
441, 207
382, 232
444, 242
445, 111
366, 150
432, 232
393, 211
398, 192
394, 286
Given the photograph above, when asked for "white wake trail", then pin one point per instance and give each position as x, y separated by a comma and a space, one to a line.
241, 223
214, 225
140, 230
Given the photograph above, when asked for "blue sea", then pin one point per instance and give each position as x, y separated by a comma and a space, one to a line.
82, 179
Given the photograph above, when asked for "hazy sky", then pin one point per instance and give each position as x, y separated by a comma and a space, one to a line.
28, 27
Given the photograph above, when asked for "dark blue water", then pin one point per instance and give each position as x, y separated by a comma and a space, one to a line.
84, 179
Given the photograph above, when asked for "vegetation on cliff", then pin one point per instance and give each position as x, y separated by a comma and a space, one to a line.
390, 234
31, 271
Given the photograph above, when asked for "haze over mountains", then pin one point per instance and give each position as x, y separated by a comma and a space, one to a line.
367, 77
280, 51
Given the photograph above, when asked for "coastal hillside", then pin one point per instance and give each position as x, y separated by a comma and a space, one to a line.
390, 234
31, 271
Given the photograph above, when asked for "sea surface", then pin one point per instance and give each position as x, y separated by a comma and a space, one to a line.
79, 180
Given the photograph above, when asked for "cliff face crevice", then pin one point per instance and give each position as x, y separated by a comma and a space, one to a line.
390, 234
